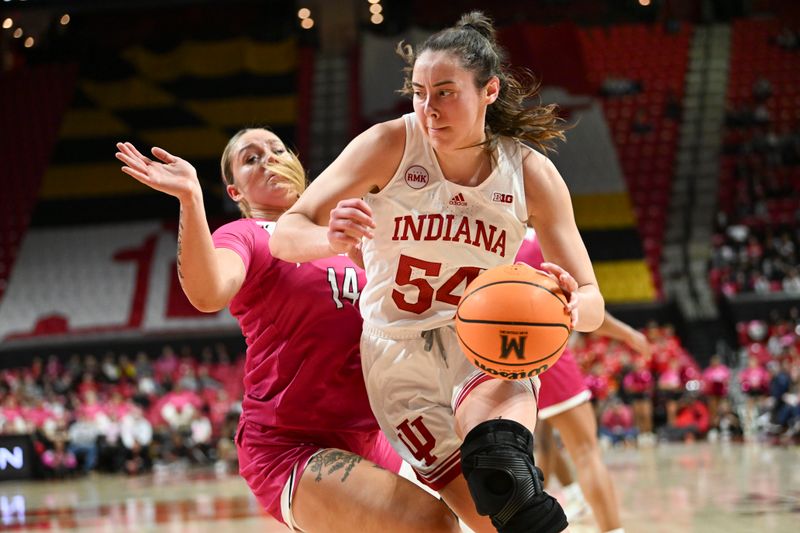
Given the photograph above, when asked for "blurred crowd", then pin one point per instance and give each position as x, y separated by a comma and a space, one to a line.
126, 414
751, 393
133, 414
757, 229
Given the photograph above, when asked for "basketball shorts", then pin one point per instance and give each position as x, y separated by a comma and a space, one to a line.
415, 385
562, 387
272, 460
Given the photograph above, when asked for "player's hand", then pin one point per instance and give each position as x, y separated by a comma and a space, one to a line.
169, 174
638, 342
356, 256
350, 221
568, 285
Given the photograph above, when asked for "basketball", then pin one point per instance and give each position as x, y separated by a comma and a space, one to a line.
512, 322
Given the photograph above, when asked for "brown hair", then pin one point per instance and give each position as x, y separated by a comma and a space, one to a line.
288, 166
472, 39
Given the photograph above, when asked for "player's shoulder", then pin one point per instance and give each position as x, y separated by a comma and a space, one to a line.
386, 134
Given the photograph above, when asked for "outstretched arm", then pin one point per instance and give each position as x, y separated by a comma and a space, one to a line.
330, 217
619, 330
209, 276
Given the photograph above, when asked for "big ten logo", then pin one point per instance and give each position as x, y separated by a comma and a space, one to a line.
418, 439
502, 198
416, 177
12, 510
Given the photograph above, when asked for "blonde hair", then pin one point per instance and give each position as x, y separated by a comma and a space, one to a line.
288, 166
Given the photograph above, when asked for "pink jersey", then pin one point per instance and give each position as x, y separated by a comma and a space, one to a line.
716, 379
638, 381
670, 380
620, 416
754, 380
303, 328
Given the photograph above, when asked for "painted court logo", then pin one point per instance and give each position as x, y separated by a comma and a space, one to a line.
458, 200
416, 177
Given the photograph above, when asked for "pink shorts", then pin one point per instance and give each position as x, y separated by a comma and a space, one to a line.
272, 460
562, 387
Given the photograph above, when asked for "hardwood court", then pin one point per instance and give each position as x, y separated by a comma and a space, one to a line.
699, 487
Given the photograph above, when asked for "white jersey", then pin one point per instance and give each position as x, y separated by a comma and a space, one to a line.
433, 236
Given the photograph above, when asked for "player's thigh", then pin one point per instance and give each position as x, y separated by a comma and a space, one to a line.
342, 492
496, 398
578, 428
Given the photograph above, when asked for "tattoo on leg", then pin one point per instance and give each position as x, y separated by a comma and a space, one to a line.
331, 461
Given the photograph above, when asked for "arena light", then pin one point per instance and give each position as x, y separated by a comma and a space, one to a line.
64, 19
377, 18
307, 23
303, 13
29, 42
374, 1
7, 23
18, 33
375, 9
644, 3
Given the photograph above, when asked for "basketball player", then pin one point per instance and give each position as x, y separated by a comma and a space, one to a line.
308, 445
564, 404
438, 195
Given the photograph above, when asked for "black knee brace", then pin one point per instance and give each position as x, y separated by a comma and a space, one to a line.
497, 461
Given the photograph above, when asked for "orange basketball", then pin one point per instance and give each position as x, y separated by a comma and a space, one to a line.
512, 322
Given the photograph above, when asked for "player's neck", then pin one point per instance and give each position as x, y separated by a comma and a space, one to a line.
468, 167
267, 213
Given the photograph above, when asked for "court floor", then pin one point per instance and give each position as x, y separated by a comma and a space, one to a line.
698, 487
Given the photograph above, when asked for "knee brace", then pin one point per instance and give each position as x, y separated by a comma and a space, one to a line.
497, 462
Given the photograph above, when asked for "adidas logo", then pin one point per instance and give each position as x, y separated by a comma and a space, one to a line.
458, 200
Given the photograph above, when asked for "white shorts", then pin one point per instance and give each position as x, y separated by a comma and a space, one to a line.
414, 392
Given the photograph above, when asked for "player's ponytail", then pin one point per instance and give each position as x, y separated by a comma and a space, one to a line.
473, 41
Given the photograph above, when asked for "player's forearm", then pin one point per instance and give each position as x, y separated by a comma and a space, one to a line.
298, 240
591, 308
615, 328
198, 271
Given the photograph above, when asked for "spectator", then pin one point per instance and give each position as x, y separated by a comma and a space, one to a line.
715, 379
59, 462
83, 434
691, 421
616, 423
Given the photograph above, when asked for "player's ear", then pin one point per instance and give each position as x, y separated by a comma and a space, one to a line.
233, 192
492, 90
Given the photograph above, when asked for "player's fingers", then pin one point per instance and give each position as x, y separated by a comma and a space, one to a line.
138, 154
357, 205
353, 213
352, 229
131, 161
144, 178
124, 148
352, 221
163, 155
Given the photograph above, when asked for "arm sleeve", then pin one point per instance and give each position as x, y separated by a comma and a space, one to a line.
237, 236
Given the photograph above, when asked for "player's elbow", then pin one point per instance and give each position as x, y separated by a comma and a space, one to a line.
277, 246
207, 306
206, 301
